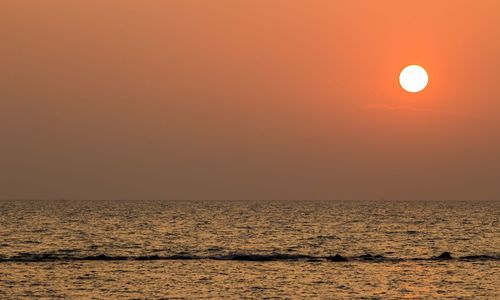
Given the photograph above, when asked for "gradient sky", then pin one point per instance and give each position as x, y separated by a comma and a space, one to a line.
248, 99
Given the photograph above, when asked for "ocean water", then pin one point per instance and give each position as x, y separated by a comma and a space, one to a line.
245, 249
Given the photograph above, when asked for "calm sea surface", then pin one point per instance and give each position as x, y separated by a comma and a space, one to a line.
243, 249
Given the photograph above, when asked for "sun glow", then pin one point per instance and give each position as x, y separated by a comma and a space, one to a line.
413, 79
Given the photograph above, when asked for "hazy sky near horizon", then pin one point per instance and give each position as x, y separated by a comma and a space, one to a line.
228, 99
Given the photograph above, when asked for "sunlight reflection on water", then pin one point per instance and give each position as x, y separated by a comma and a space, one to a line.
61, 233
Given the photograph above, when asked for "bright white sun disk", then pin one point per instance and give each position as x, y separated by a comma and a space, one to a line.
413, 79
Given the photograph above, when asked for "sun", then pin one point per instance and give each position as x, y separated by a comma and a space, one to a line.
413, 79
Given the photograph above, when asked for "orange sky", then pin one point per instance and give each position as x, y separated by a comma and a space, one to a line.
248, 99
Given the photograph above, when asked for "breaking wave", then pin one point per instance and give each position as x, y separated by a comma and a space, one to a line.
51, 257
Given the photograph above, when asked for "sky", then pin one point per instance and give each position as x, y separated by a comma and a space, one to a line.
246, 99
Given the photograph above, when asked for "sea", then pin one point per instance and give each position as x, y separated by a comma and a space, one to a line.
249, 249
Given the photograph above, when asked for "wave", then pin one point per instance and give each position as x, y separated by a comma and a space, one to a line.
51, 257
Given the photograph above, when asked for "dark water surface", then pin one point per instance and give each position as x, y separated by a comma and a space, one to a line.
238, 249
